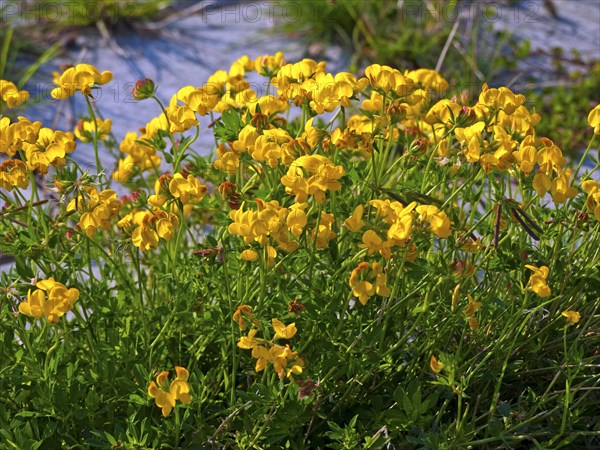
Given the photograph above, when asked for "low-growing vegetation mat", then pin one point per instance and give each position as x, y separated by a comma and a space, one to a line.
363, 262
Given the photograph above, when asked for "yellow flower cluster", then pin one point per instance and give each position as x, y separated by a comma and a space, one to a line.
140, 157
270, 220
97, 209
367, 280
402, 218
49, 149
86, 129
176, 119
498, 133
40, 147
82, 77
51, 300
312, 175
268, 351
175, 187
146, 227
537, 281
167, 393
14, 135
13, 173
11, 95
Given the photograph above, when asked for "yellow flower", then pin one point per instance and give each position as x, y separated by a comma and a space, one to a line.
492, 99
387, 79
263, 357
594, 119
455, 294
325, 232
266, 352
561, 188
268, 65
187, 189
401, 228
13, 173
14, 135
430, 79
249, 341
249, 255
444, 111
283, 331
367, 280
296, 219
166, 394
139, 156
355, 222
82, 77
526, 157
11, 95
85, 129
97, 209
537, 281
50, 148
473, 306
592, 189
328, 92
572, 317
52, 300
541, 183
373, 243
200, 100
322, 176
438, 220
144, 237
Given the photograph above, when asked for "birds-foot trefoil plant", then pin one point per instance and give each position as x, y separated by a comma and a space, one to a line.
360, 262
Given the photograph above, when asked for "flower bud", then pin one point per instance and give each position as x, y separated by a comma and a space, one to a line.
144, 89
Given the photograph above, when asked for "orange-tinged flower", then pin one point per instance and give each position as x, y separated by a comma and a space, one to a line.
242, 314
472, 307
249, 255
435, 365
